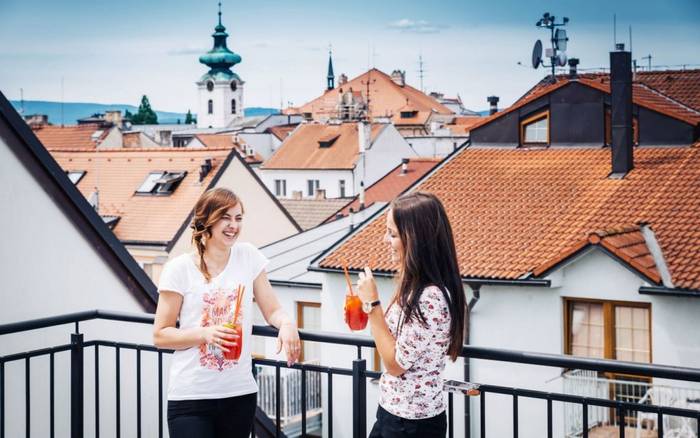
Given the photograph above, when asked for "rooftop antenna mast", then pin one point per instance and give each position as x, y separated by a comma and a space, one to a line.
421, 72
648, 58
21, 101
558, 38
62, 100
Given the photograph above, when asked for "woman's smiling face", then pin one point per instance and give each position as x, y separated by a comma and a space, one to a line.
227, 229
393, 239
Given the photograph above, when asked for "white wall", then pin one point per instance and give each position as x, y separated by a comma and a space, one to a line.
296, 180
387, 151
262, 143
221, 96
435, 146
48, 268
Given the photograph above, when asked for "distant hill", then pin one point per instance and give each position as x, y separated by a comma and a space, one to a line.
72, 111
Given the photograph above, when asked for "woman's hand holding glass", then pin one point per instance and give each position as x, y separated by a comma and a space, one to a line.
220, 336
367, 287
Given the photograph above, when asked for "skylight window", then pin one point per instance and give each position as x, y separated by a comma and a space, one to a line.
161, 183
328, 140
75, 176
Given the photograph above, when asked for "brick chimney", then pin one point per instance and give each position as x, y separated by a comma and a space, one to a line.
621, 106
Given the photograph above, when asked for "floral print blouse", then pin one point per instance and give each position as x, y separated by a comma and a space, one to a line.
421, 350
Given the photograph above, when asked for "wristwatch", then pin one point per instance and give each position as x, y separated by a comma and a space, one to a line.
367, 306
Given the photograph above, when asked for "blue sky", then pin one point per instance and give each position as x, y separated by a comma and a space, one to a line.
113, 52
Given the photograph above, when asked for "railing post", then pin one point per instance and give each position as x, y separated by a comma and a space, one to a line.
76, 383
359, 398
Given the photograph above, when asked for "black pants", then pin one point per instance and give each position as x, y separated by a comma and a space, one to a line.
390, 426
214, 418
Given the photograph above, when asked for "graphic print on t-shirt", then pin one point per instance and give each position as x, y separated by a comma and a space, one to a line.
217, 308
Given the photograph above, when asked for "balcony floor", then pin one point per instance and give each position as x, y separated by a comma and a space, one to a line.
614, 432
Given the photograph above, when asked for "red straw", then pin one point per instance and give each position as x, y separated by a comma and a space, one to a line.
347, 278
239, 296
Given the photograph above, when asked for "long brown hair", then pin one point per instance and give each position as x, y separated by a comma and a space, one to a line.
429, 259
210, 207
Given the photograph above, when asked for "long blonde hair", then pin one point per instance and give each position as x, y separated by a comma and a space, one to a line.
210, 207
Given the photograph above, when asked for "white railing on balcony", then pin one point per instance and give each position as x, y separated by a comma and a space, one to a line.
290, 397
590, 384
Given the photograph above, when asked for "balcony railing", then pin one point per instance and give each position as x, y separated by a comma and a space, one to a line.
78, 349
628, 389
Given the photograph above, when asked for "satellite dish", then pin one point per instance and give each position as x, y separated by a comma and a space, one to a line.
561, 59
560, 39
537, 54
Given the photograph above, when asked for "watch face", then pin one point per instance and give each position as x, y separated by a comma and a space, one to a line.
366, 306
210, 85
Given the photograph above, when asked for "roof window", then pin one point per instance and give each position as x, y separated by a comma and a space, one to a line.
75, 176
161, 183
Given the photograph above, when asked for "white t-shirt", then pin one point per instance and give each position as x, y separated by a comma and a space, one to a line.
201, 372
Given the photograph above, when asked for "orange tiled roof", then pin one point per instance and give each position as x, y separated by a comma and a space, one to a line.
309, 213
513, 210
301, 150
386, 97
680, 85
119, 172
282, 131
70, 137
462, 125
642, 95
392, 184
214, 141
626, 243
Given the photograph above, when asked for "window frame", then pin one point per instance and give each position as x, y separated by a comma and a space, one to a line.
233, 106
300, 320
162, 188
280, 187
608, 323
81, 174
341, 188
316, 185
210, 106
540, 115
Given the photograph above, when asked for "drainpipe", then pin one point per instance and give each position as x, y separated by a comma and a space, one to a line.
476, 291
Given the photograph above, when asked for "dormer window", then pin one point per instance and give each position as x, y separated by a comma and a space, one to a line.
110, 221
408, 114
327, 141
75, 176
534, 130
161, 183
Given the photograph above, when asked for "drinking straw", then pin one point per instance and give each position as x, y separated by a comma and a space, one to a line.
347, 277
239, 296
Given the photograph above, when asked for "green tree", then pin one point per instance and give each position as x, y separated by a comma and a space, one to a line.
128, 115
145, 114
188, 118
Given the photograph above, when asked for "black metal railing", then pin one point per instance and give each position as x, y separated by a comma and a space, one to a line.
358, 373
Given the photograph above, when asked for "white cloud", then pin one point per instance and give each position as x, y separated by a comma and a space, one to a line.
412, 26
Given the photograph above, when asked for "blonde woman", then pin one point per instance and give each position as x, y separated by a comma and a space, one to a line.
209, 395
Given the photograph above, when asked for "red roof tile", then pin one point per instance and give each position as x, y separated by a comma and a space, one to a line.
282, 131
118, 173
218, 141
71, 137
386, 98
513, 210
392, 184
302, 150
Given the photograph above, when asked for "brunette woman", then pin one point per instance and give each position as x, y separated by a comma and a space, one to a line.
423, 322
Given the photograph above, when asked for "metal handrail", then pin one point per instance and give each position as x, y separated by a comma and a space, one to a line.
472, 352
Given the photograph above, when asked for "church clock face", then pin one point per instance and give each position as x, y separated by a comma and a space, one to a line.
234, 86
210, 85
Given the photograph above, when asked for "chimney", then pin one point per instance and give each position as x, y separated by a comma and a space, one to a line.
363, 136
404, 166
114, 117
36, 121
296, 195
399, 77
342, 79
493, 102
205, 169
573, 63
320, 194
621, 103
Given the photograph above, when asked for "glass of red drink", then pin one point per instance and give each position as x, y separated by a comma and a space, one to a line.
234, 352
355, 317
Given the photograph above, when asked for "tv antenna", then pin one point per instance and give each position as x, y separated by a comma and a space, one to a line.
648, 58
558, 38
421, 72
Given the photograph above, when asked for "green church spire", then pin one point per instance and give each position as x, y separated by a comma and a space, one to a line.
220, 59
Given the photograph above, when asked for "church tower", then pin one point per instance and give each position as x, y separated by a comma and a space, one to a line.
220, 89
